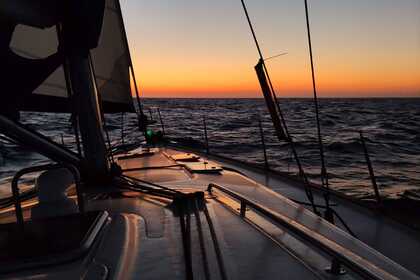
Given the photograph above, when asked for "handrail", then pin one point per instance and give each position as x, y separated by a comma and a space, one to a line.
20, 173
38, 142
359, 265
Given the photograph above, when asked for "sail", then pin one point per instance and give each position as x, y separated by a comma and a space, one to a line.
110, 59
271, 103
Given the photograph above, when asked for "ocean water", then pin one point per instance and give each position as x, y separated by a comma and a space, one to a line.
391, 128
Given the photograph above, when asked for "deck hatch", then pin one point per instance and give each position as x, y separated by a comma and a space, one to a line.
203, 167
185, 157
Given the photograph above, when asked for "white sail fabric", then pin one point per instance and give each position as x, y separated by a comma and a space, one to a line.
110, 60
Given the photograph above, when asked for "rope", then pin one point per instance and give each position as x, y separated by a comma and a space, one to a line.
186, 241
134, 180
218, 251
151, 167
201, 240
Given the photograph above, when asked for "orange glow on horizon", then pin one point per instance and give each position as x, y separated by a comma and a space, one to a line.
204, 49
345, 83
338, 74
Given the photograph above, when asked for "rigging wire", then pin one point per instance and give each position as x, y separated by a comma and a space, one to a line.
104, 123
122, 129
75, 124
108, 139
74, 117
329, 212
324, 173
142, 117
7, 139
275, 56
308, 190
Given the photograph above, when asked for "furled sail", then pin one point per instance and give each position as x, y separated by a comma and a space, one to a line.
110, 60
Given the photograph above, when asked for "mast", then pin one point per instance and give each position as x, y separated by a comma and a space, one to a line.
89, 117
81, 27
77, 45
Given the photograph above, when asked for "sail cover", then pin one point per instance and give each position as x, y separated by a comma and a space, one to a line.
110, 60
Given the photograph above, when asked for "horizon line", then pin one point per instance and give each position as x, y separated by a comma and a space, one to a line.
286, 97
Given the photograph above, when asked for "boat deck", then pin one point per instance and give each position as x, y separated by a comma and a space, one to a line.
393, 239
271, 191
151, 237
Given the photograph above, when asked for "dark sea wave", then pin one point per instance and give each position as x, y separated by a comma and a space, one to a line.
391, 128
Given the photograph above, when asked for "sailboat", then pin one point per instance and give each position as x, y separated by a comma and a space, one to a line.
171, 212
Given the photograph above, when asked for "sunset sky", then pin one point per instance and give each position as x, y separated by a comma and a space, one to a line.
203, 48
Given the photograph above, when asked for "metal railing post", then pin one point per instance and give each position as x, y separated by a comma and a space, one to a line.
205, 135
150, 114
17, 203
263, 144
122, 129
370, 168
161, 121
243, 209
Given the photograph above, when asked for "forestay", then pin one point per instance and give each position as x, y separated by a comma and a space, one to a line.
110, 59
